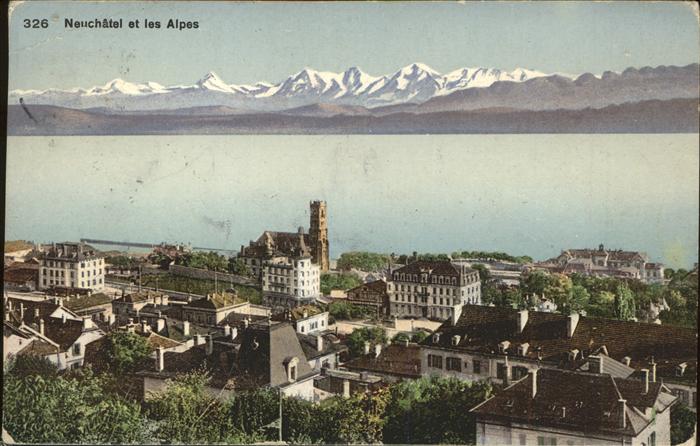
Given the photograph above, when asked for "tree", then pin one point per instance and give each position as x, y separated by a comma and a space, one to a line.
534, 283
400, 338
432, 410
363, 261
623, 307
578, 300
484, 273
559, 289
238, 266
683, 421
69, 408
124, 351
186, 413
342, 281
357, 339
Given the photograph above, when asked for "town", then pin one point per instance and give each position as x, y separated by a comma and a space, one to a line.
280, 343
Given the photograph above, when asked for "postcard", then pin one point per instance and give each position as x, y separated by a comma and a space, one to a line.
351, 223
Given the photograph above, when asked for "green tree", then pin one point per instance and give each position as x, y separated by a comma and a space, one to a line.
186, 413
577, 300
432, 411
683, 421
342, 281
624, 307
534, 283
484, 272
238, 266
559, 289
363, 261
124, 351
373, 335
70, 408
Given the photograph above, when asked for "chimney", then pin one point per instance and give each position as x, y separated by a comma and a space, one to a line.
234, 333
623, 410
645, 379
199, 339
595, 364
186, 328
21, 311
112, 319
626, 360
210, 344
227, 330
160, 359
346, 388
305, 314
319, 343
571, 324
41, 326
366, 347
653, 370
144, 327
160, 325
533, 373
36, 313
63, 318
522, 320
245, 322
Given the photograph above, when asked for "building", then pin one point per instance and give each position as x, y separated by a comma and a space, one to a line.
212, 309
557, 407
19, 276
128, 306
266, 354
318, 235
346, 384
72, 265
392, 363
323, 350
60, 334
503, 344
606, 263
435, 290
288, 282
291, 244
371, 295
306, 319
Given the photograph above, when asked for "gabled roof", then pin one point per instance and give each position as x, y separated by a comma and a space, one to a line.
394, 359
215, 301
440, 267
583, 402
482, 328
377, 286
331, 344
38, 347
138, 297
84, 302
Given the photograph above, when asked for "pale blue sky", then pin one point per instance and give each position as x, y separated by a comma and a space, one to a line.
522, 194
245, 43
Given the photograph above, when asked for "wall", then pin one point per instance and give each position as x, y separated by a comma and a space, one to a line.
300, 389
224, 278
499, 435
488, 369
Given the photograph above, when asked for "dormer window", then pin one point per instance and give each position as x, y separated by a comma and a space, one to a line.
436, 338
680, 368
456, 339
503, 346
291, 365
573, 354
523, 348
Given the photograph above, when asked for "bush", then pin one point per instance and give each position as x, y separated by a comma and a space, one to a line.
683, 422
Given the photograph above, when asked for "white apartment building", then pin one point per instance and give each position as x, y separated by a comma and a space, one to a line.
436, 290
72, 265
290, 281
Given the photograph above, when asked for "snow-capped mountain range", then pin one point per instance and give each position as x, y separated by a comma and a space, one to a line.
415, 83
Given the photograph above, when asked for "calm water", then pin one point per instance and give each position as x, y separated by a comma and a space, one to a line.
531, 194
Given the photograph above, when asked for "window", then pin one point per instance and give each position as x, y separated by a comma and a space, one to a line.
453, 364
501, 370
476, 366
76, 349
652, 439
522, 439
435, 361
519, 372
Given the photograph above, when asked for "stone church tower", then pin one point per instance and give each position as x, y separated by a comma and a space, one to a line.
318, 235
